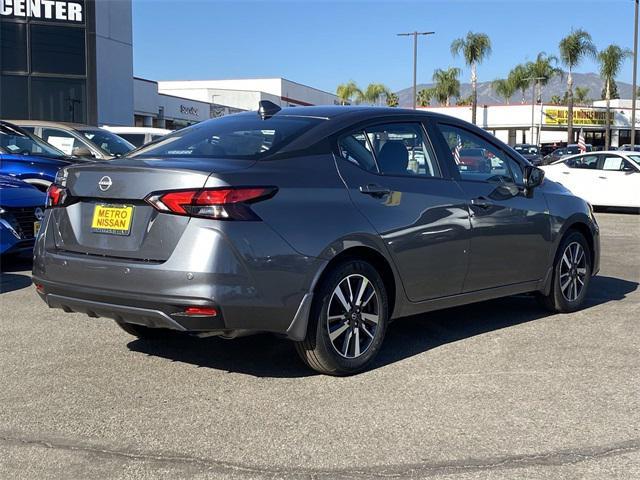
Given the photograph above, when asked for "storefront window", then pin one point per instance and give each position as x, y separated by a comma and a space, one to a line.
13, 47
57, 50
58, 99
13, 96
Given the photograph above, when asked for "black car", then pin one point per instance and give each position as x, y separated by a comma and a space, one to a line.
530, 152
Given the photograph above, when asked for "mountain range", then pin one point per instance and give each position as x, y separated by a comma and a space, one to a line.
556, 86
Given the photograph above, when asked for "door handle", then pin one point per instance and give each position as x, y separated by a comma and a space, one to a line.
374, 190
603, 178
566, 173
480, 202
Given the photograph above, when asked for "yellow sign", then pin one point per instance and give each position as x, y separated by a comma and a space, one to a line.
112, 219
581, 116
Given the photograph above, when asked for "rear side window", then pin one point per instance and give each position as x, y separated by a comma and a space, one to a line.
135, 139
391, 149
243, 136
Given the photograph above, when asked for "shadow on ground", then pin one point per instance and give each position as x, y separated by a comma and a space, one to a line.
268, 356
10, 281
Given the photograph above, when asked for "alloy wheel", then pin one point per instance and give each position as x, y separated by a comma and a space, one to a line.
353, 315
573, 270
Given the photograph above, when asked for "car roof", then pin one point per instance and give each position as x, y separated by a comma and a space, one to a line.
46, 123
121, 129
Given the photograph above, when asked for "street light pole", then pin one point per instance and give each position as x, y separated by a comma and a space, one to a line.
635, 69
415, 59
534, 86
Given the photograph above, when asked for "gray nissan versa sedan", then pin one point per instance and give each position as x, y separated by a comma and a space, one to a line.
319, 224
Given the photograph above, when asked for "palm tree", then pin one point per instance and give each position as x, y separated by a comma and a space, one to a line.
520, 78
581, 95
346, 92
573, 49
555, 100
475, 47
373, 94
544, 68
447, 85
504, 87
611, 60
424, 97
393, 100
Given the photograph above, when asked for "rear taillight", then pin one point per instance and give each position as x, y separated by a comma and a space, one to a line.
218, 203
56, 196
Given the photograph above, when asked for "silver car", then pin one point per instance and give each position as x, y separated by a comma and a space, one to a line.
319, 224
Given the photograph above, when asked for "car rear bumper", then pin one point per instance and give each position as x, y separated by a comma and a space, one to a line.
249, 274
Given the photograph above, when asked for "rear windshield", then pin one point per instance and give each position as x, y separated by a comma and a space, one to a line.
243, 136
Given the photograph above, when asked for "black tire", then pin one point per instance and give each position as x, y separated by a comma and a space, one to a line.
318, 350
147, 333
557, 301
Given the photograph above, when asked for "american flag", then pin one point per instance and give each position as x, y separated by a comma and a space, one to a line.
456, 151
582, 146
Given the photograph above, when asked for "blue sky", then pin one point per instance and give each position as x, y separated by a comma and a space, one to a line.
324, 43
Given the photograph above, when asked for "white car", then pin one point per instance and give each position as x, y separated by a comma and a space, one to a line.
138, 136
607, 179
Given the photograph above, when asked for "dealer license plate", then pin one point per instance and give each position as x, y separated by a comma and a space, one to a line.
112, 219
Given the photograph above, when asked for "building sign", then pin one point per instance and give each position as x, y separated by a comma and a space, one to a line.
55, 10
193, 111
581, 116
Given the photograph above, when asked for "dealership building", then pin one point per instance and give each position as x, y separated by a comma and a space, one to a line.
72, 60
547, 124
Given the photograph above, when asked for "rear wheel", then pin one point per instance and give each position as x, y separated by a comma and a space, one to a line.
348, 320
571, 275
147, 333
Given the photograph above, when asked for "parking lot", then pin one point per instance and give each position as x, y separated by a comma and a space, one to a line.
495, 390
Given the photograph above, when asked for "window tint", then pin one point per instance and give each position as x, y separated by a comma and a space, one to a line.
354, 148
136, 139
402, 149
477, 159
57, 50
244, 136
13, 46
589, 162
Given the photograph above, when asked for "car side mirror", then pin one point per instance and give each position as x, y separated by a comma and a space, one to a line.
533, 177
82, 151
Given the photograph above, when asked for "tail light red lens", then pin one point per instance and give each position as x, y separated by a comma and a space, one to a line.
201, 311
56, 196
217, 203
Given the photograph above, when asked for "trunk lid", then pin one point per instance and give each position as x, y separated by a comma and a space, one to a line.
151, 235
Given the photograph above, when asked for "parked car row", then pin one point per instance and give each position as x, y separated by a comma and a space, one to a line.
31, 154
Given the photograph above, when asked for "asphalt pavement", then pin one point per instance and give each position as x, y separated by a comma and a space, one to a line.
496, 390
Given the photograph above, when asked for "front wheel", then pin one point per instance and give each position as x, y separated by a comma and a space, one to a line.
571, 275
348, 320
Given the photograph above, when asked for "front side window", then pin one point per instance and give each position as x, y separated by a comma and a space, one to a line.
243, 136
62, 140
402, 149
107, 141
588, 162
479, 160
615, 163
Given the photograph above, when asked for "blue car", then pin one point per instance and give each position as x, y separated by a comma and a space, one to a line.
21, 211
24, 156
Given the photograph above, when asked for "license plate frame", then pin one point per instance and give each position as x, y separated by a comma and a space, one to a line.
112, 221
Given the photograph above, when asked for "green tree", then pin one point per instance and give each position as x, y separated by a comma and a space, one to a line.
446, 85
348, 92
582, 95
614, 91
573, 49
520, 78
544, 68
475, 47
424, 97
392, 100
464, 101
504, 87
373, 94
611, 60
555, 100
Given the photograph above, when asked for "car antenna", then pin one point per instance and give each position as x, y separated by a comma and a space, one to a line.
267, 109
